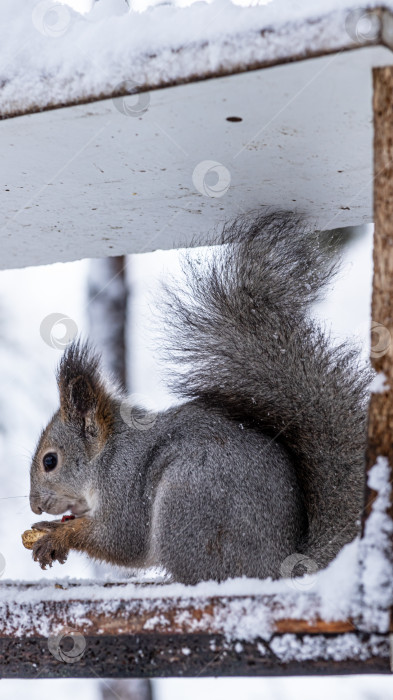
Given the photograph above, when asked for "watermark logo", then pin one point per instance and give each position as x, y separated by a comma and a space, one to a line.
299, 571
380, 339
51, 18
363, 26
58, 330
135, 103
135, 415
211, 178
68, 645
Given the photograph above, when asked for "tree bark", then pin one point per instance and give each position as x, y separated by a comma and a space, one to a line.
107, 311
380, 423
376, 546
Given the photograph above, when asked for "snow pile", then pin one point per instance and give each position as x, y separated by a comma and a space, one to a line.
379, 384
50, 55
375, 552
289, 647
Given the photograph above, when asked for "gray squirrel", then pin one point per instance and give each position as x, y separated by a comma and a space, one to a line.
264, 458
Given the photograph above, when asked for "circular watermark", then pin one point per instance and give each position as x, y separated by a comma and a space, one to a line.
363, 26
299, 571
380, 339
2, 564
211, 178
134, 415
51, 18
68, 645
58, 330
375, 343
135, 103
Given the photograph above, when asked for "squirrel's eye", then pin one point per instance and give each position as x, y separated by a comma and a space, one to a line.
50, 461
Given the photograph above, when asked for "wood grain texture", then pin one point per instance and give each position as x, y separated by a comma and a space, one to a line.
380, 424
28, 611
377, 544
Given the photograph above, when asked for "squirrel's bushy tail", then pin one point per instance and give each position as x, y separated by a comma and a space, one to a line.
243, 329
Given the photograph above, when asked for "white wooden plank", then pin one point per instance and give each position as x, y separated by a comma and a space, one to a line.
90, 181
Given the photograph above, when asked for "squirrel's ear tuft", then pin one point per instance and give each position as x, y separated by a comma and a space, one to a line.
82, 396
84, 400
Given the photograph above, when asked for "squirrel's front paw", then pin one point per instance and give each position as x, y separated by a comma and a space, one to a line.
48, 549
46, 525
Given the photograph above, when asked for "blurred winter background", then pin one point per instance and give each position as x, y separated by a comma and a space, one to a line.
28, 397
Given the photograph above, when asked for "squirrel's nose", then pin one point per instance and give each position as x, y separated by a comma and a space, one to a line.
36, 509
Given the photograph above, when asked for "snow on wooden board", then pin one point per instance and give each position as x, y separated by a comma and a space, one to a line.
51, 55
248, 626
152, 635
241, 609
117, 177
249, 619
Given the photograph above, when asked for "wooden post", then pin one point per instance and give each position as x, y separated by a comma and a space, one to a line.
380, 424
376, 591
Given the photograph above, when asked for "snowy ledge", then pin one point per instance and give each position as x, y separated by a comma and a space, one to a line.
160, 635
239, 609
77, 60
242, 626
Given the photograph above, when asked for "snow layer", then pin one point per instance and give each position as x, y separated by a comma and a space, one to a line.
289, 647
375, 552
378, 384
239, 617
51, 55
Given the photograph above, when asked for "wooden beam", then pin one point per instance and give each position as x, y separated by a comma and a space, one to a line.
197, 655
116, 613
380, 425
156, 201
132, 636
377, 532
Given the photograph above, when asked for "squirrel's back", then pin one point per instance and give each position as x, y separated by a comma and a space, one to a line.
227, 502
242, 328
